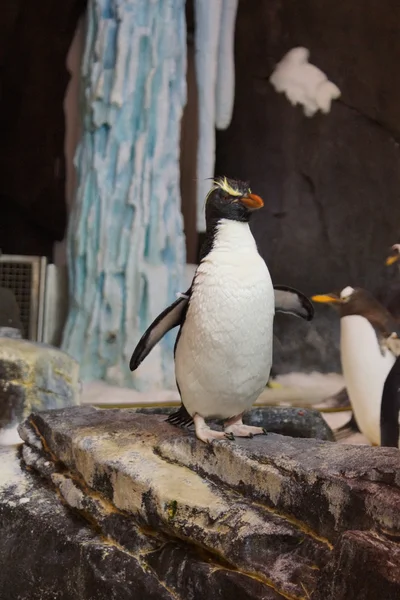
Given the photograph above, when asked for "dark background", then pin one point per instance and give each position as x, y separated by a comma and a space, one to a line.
331, 184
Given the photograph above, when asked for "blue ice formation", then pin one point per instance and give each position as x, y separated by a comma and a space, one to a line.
126, 250
215, 72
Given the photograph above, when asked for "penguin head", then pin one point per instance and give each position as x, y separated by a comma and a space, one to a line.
231, 199
358, 301
394, 255
352, 298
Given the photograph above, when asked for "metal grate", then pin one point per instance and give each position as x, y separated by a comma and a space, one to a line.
24, 275
18, 278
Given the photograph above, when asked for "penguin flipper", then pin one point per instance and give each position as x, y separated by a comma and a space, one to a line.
290, 301
172, 316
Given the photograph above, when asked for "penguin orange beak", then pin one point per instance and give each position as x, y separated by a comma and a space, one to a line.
392, 259
326, 299
252, 201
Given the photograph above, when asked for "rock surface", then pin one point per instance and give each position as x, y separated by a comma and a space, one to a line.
34, 377
296, 422
330, 183
272, 517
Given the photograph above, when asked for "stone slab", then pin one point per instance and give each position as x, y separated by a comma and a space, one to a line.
273, 509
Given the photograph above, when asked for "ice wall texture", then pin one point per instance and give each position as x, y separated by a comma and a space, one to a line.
126, 249
215, 73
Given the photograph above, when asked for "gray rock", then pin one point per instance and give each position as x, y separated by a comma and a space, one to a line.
375, 558
330, 183
48, 551
10, 332
295, 422
34, 377
270, 517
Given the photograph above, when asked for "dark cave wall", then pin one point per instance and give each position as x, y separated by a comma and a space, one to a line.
34, 41
331, 184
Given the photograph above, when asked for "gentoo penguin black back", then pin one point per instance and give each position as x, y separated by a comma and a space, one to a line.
389, 421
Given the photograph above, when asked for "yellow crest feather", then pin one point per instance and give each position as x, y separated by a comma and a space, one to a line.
223, 184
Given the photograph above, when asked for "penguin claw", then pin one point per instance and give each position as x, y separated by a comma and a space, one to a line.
230, 436
265, 432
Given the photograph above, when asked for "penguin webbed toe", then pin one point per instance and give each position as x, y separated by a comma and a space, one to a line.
208, 435
290, 301
236, 427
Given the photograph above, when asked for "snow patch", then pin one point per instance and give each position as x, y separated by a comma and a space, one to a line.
304, 83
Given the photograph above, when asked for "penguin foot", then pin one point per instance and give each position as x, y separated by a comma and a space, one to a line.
208, 435
237, 427
244, 430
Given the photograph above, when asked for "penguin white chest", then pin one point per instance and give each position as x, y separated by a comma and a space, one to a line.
365, 368
224, 354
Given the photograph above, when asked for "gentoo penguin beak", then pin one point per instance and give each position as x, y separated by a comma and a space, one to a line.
392, 259
252, 201
327, 299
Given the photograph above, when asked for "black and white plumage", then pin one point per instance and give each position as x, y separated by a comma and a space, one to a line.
393, 256
368, 353
390, 407
223, 351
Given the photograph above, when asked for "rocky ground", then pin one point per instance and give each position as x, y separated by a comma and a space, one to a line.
117, 504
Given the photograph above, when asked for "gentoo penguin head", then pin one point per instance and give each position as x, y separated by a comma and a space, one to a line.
357, 301
231, 199
394, 255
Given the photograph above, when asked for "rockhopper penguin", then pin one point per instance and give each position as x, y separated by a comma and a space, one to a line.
367, 356
223, 351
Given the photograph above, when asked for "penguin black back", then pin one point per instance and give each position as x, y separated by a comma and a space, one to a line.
390, 407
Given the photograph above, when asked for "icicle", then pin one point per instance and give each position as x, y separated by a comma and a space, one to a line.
126, 244
208, 17
225, 85
214, 34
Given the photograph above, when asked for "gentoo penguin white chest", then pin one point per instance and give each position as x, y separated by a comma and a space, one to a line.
224, 353
365, 367
366, 359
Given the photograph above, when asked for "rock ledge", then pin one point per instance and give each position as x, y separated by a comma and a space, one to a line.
272, 517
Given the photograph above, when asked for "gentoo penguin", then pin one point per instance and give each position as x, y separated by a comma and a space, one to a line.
394, 255
223, 350
391, 406
390, 294
391, 390
366, 356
